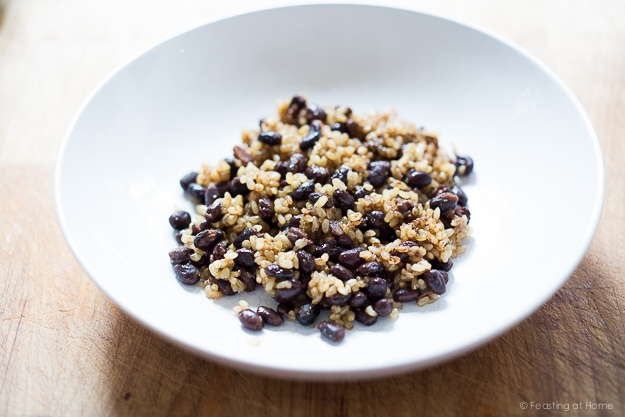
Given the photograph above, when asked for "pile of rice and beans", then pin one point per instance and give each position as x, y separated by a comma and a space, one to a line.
326, 210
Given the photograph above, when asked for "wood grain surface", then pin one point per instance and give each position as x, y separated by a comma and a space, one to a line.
66, 350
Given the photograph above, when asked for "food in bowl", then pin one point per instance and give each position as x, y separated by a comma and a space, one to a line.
333, 213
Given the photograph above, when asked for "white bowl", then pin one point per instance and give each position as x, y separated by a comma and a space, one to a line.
535, 196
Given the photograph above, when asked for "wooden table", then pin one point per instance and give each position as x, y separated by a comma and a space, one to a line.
66, 350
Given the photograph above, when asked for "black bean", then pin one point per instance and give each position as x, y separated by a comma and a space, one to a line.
282, 167
462, 197
294, 221
244, 156
180, 219
405, 207
362, 317
295, 233
306, 261
178, 237
305, 278
335, 228
246, 234
270, 138
245, 258
352, 128
270, 316
236, 187
314, 197
317, 173
187, 179
306, 314
378, 172
295, 106
196, 192
284, 308
376, 288
374, 219
224, 286
187, 274
445, 202
341, 272
341, 174
351, 258
338, 299
330, 248
180, 255
233, 167
403, 251
265, 209
297, 163
303, 191
386, 233
464, 165
343, 199
345, 241
358, 300
218, 252
248, 279
207, 239
439, 190
275, 270
339, 127
361, 192
314, 112
334, 332
463, 211
214, 212
384, 307
406, 295
417, 179
313, 135
442, 266
211, 194
370, 269
435, 281
250, 319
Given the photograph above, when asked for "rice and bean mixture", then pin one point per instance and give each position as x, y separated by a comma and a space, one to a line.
354, 214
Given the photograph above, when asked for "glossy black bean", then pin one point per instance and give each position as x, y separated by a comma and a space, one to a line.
265, 209
362, 317
248, 279
405, 208
245, 258
236, 187
417, 179
376, 288
317, 173
329, 330
370, 269
295, 106
224, 286
314, 197
359, 299
207, 239
463, 200
246, 234
373, 219
187, 273
306, 261
233, 167
339, 127
179, 220
297, 163
196, 192
270, 316
445, 202
284, 308
352, 128
306, 314
270, 138
378, 172
276, 271
435, 281
250, 319
314, 112
341, 174
343, 199
345, 242
351, 258
187, 179
214, 212
406, 295
464, 165
339, 299
361, 192
294, 221
463, 211
243, 155
312, 137
332, 249
219, 252
335, 228
384, 307
295, 233
211, 194
442, 266
180, 255
341, 272
303, 191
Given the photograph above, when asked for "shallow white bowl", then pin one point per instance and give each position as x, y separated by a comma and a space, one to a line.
534, 206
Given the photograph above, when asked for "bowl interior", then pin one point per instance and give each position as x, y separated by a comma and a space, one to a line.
185, 101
